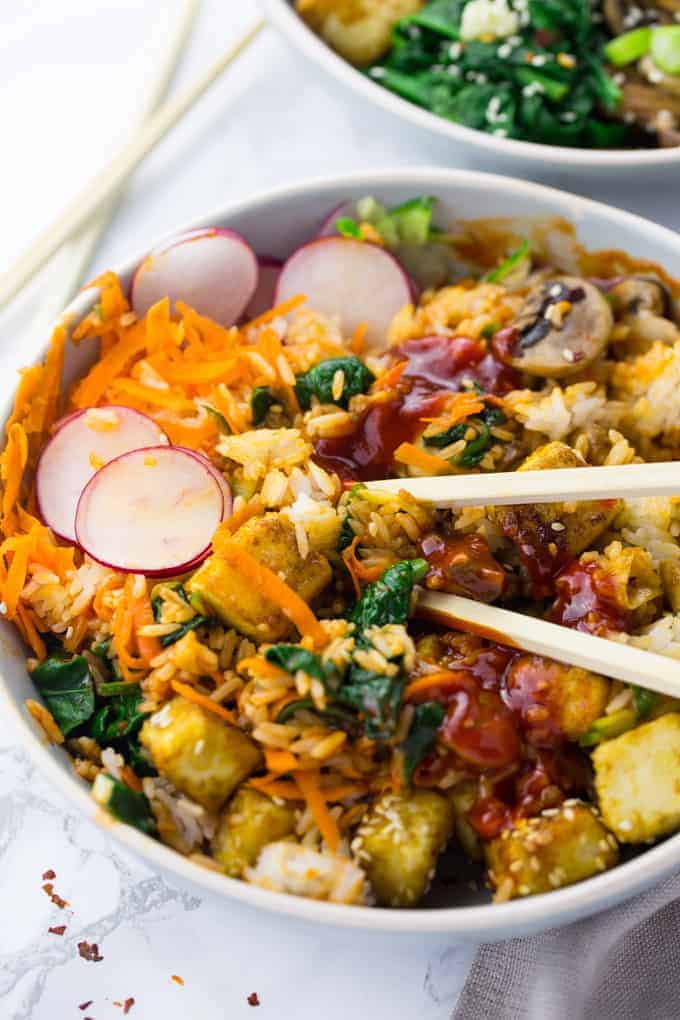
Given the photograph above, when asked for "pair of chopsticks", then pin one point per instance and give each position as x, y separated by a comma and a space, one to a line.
633, 481
100, 196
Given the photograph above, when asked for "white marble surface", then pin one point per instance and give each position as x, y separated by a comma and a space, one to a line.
70, 77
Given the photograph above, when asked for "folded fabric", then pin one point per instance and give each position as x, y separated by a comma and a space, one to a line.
623, 964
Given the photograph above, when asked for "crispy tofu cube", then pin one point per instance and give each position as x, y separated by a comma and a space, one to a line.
271, 540
398, 843
200, 755
249, 822
552, 696
637, 779
360, 30
578, 525
562, 846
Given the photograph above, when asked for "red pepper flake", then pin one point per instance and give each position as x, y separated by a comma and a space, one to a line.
58, 929
253, 999
84, 1005
49, 875
177, 979
48, 889
127, 1005
89, 951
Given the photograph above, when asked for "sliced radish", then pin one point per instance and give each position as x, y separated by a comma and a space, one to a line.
83, 443
213, 270
356, 281
218, 476
263, 298
346, 209
151, 511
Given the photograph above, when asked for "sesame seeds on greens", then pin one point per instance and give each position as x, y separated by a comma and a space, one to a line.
535, 70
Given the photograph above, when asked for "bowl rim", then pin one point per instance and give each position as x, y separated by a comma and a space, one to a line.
282, 14
472, 923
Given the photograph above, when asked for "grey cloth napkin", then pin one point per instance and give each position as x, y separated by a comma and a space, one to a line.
623, 964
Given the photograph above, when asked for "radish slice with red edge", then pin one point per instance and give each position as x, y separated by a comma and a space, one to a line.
359, 282
215, 271
217, 475
84, 442
151, 511
263, 298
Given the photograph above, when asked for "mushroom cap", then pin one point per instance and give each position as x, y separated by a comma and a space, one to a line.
635, 294
563, 326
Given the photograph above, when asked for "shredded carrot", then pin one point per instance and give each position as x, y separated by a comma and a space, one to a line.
461, 406
112, 304
90, 390
185, 432
121, 628
227, 370
12, 464
78, 634
358, 572
142, 616
262, 667
263, 579
342, 790
254, 508
426, 683
213, 335
308, 782
102, 611
16, 575
170, 399
225, 402
275, 787
390, 378
413, 456
280, 761
203, 700
283, 309
130, 779
161, 333
31, 632
359, 339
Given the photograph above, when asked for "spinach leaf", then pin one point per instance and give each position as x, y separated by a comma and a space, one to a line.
388, 600
292, 658
117, 724
184, 628
346, 536
125, 804
427, 719
318, 381
262, 398
377, 696
67, 689
643, 700
333, 715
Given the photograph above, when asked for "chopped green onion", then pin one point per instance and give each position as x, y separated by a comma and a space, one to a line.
628, 48
513, 260
665, 48
124, 804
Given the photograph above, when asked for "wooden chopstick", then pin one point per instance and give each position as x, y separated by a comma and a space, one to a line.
620, 661
507, 488
108, 180
71, 263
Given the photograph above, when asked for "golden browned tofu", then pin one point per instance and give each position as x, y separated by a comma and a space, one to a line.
398, 843
562, 846
250, 821
271, 540
360, 30
200, 755
637, 779
572, 528
551, 696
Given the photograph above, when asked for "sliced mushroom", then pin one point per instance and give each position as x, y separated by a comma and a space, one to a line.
652, 107
563, 326
623, 15
637, 294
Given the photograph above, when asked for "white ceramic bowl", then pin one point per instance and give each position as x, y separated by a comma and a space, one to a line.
276, 223
502, 153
